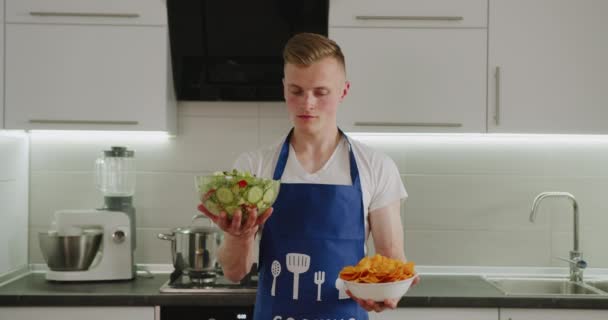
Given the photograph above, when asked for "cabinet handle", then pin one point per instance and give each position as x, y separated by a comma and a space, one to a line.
497, 97
156, 312
46, 121
412, 18
409, 124
83, 14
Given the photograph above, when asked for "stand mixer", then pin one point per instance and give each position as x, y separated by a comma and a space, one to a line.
97, 244
88, 245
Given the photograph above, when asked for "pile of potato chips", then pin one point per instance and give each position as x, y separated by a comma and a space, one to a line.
378, 269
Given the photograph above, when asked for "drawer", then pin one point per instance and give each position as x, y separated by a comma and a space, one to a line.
409, 13
118, 12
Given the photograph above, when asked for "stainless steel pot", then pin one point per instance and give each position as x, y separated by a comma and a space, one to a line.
194, 248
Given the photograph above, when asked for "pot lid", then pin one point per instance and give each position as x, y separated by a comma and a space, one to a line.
196, 229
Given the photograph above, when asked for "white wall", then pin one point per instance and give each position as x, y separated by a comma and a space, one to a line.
14, 167
469, 197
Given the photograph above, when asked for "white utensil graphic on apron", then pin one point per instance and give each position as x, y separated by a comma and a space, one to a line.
319, 279
275, 268
297, 263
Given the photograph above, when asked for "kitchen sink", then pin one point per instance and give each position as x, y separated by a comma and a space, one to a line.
542, 286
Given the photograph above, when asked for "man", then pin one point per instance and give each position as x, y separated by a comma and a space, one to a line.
334, 192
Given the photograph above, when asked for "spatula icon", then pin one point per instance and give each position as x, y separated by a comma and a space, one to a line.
275, 268
297, 263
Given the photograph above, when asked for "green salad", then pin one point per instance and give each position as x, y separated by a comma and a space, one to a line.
231, 190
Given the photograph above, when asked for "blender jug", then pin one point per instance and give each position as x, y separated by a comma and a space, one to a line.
115, 178
115, 172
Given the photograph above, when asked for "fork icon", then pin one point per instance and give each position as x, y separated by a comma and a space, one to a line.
319, 280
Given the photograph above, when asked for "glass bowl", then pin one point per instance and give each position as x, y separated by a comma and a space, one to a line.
221, 192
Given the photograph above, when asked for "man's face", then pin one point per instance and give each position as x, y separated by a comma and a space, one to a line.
313, 93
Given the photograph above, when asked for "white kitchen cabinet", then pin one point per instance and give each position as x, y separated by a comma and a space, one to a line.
437, 314
414, 80
408, 13
552, 314
88, 77
551, 62
1, 64
407, 77
88, 65
127, 12
89, 313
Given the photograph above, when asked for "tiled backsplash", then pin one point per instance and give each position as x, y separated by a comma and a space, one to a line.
469, 197
14, 165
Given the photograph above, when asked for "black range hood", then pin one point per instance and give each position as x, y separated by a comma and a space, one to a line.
232, 49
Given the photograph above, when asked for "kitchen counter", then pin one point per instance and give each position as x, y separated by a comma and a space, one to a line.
34, 289
470, 291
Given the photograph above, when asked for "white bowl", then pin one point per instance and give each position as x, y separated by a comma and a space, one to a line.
379, 291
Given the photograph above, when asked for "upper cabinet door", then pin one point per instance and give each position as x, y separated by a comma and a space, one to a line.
413, 65
140, 12
408, 13
547, 66
87, 77
414, 80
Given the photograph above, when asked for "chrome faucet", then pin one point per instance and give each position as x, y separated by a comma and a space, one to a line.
577, 264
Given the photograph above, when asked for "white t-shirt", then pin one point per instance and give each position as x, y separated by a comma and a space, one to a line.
380, 179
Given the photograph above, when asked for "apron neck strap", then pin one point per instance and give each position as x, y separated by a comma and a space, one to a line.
284, 154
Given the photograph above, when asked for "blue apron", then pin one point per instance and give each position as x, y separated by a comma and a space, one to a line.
315, 230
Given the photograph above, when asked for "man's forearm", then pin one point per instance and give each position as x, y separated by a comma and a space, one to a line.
236, 256
387, 231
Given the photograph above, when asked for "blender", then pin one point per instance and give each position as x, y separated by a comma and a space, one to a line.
115, 178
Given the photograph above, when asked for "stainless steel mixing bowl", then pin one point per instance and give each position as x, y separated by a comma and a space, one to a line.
70, 253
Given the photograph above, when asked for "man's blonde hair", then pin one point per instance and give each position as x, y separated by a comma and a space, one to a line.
308, 48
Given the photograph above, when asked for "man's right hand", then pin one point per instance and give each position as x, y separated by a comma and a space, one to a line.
235, 226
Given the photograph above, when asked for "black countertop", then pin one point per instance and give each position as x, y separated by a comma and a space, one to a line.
433, 291
34, 289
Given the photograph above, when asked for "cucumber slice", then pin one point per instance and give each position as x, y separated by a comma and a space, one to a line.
224, 195
212, 207
262, 206
255, 194
236, 189
269, 196
230, 210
